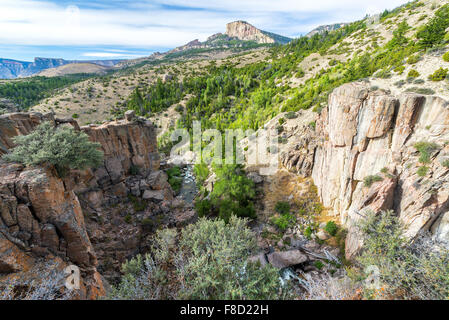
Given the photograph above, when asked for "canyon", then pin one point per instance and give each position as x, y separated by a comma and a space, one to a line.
81, 219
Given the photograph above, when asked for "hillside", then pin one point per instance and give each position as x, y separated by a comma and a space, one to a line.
11, 69
74, 68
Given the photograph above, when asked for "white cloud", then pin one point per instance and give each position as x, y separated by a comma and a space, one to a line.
108, 55
32, 22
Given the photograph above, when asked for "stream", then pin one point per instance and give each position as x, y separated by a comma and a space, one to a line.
189, 189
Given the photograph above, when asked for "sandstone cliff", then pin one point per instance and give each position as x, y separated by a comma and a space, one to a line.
43, 217
365, 133
242, 30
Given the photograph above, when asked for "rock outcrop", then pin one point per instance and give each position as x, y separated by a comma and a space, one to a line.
242, 30
45, 217
363, 134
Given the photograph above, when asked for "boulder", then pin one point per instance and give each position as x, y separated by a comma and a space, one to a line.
154, 195
130, 115
287, 259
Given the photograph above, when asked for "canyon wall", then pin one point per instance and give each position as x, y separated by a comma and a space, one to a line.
46, 218
363, 134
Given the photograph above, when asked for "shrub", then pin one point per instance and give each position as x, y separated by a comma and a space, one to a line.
422, 171
281, 121
291, 115
282, 207
63, 147
445, 163
407, 270
369, 180
413, 74
284, 221
206, 261
318, 264
439, 75
399, 70
425, 150
179, 109
138, 205
446, 56
331, 228
413, 59
203, 207
308, 232
174, 178
425, 91
201, 172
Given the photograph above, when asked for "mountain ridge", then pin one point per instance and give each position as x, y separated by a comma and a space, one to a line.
11, 69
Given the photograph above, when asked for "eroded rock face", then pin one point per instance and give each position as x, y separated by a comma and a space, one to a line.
13, 124
245, 31
43, 216
371, 133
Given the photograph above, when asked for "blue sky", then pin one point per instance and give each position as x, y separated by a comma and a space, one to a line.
118, 29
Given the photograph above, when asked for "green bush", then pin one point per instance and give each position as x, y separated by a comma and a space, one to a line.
425, 91
413, 74
174, 178
201, 172
233, 192
369, 180
408, 269
282, 207
422, 171
399, 70
203, 207
206, 261
439, 75
291, 115
63, 147
413, 59
425, 150
308, 232
445, 163
331, 228
284, 221
446, 56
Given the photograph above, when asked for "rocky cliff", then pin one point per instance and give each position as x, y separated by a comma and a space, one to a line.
45, 218
365, 157
242, 30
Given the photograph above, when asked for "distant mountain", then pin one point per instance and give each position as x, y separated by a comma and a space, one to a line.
244, 31
238, 34
326, 28
74, 68
11, 69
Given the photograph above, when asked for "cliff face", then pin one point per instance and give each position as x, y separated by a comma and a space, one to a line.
43, 216
366, 133
244, 31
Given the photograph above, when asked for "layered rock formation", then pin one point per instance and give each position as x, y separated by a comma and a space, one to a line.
45, 217
244, 31
365, 133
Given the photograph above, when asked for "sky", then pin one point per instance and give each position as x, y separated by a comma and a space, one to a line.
119, 29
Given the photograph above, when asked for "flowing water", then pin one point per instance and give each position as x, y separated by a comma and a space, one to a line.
188, 188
